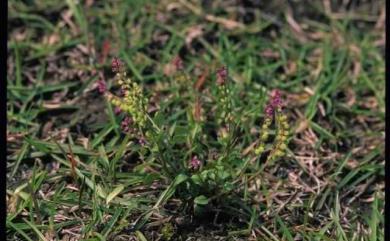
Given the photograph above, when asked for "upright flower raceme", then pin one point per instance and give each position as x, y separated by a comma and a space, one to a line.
175, 68
133, 101
273, 110
222, 77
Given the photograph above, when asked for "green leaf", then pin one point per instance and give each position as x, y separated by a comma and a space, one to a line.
159, 119
170, 190
196, 178
140, 236
100, 191
201, 200
35, 229
150, 178
114, 193
322, 130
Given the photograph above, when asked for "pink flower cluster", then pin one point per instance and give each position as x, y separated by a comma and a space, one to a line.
126, 124
102, 87
117, 110
269, 110
275, 102
276, 98
116, 65
178, 63
222, 74
194, 163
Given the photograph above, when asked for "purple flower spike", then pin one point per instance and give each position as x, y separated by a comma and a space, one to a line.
126, 123
222, 74
102, 87
276, 99
116, 65
274, 103
269, 110
178, 63
195, 163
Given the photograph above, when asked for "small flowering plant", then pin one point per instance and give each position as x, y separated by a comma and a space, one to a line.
203, 154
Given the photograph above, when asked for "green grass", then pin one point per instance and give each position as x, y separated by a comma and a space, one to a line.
330, 186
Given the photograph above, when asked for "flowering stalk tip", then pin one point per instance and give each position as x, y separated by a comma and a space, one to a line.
116, 65
131, 99
273, 110
224, 94
178, 63
102, 87
222, 74
194, 163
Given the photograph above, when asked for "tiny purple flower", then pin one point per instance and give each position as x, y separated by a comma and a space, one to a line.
116, 65
274, 103
269, 110
102, 87
142, 141
276, 99
178, 63
117, 110
222, 74
194, 163
125, 124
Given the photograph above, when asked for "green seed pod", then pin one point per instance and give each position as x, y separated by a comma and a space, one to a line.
115, 102
278, 153
264, 126
282, 146
264, 136
259, 150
